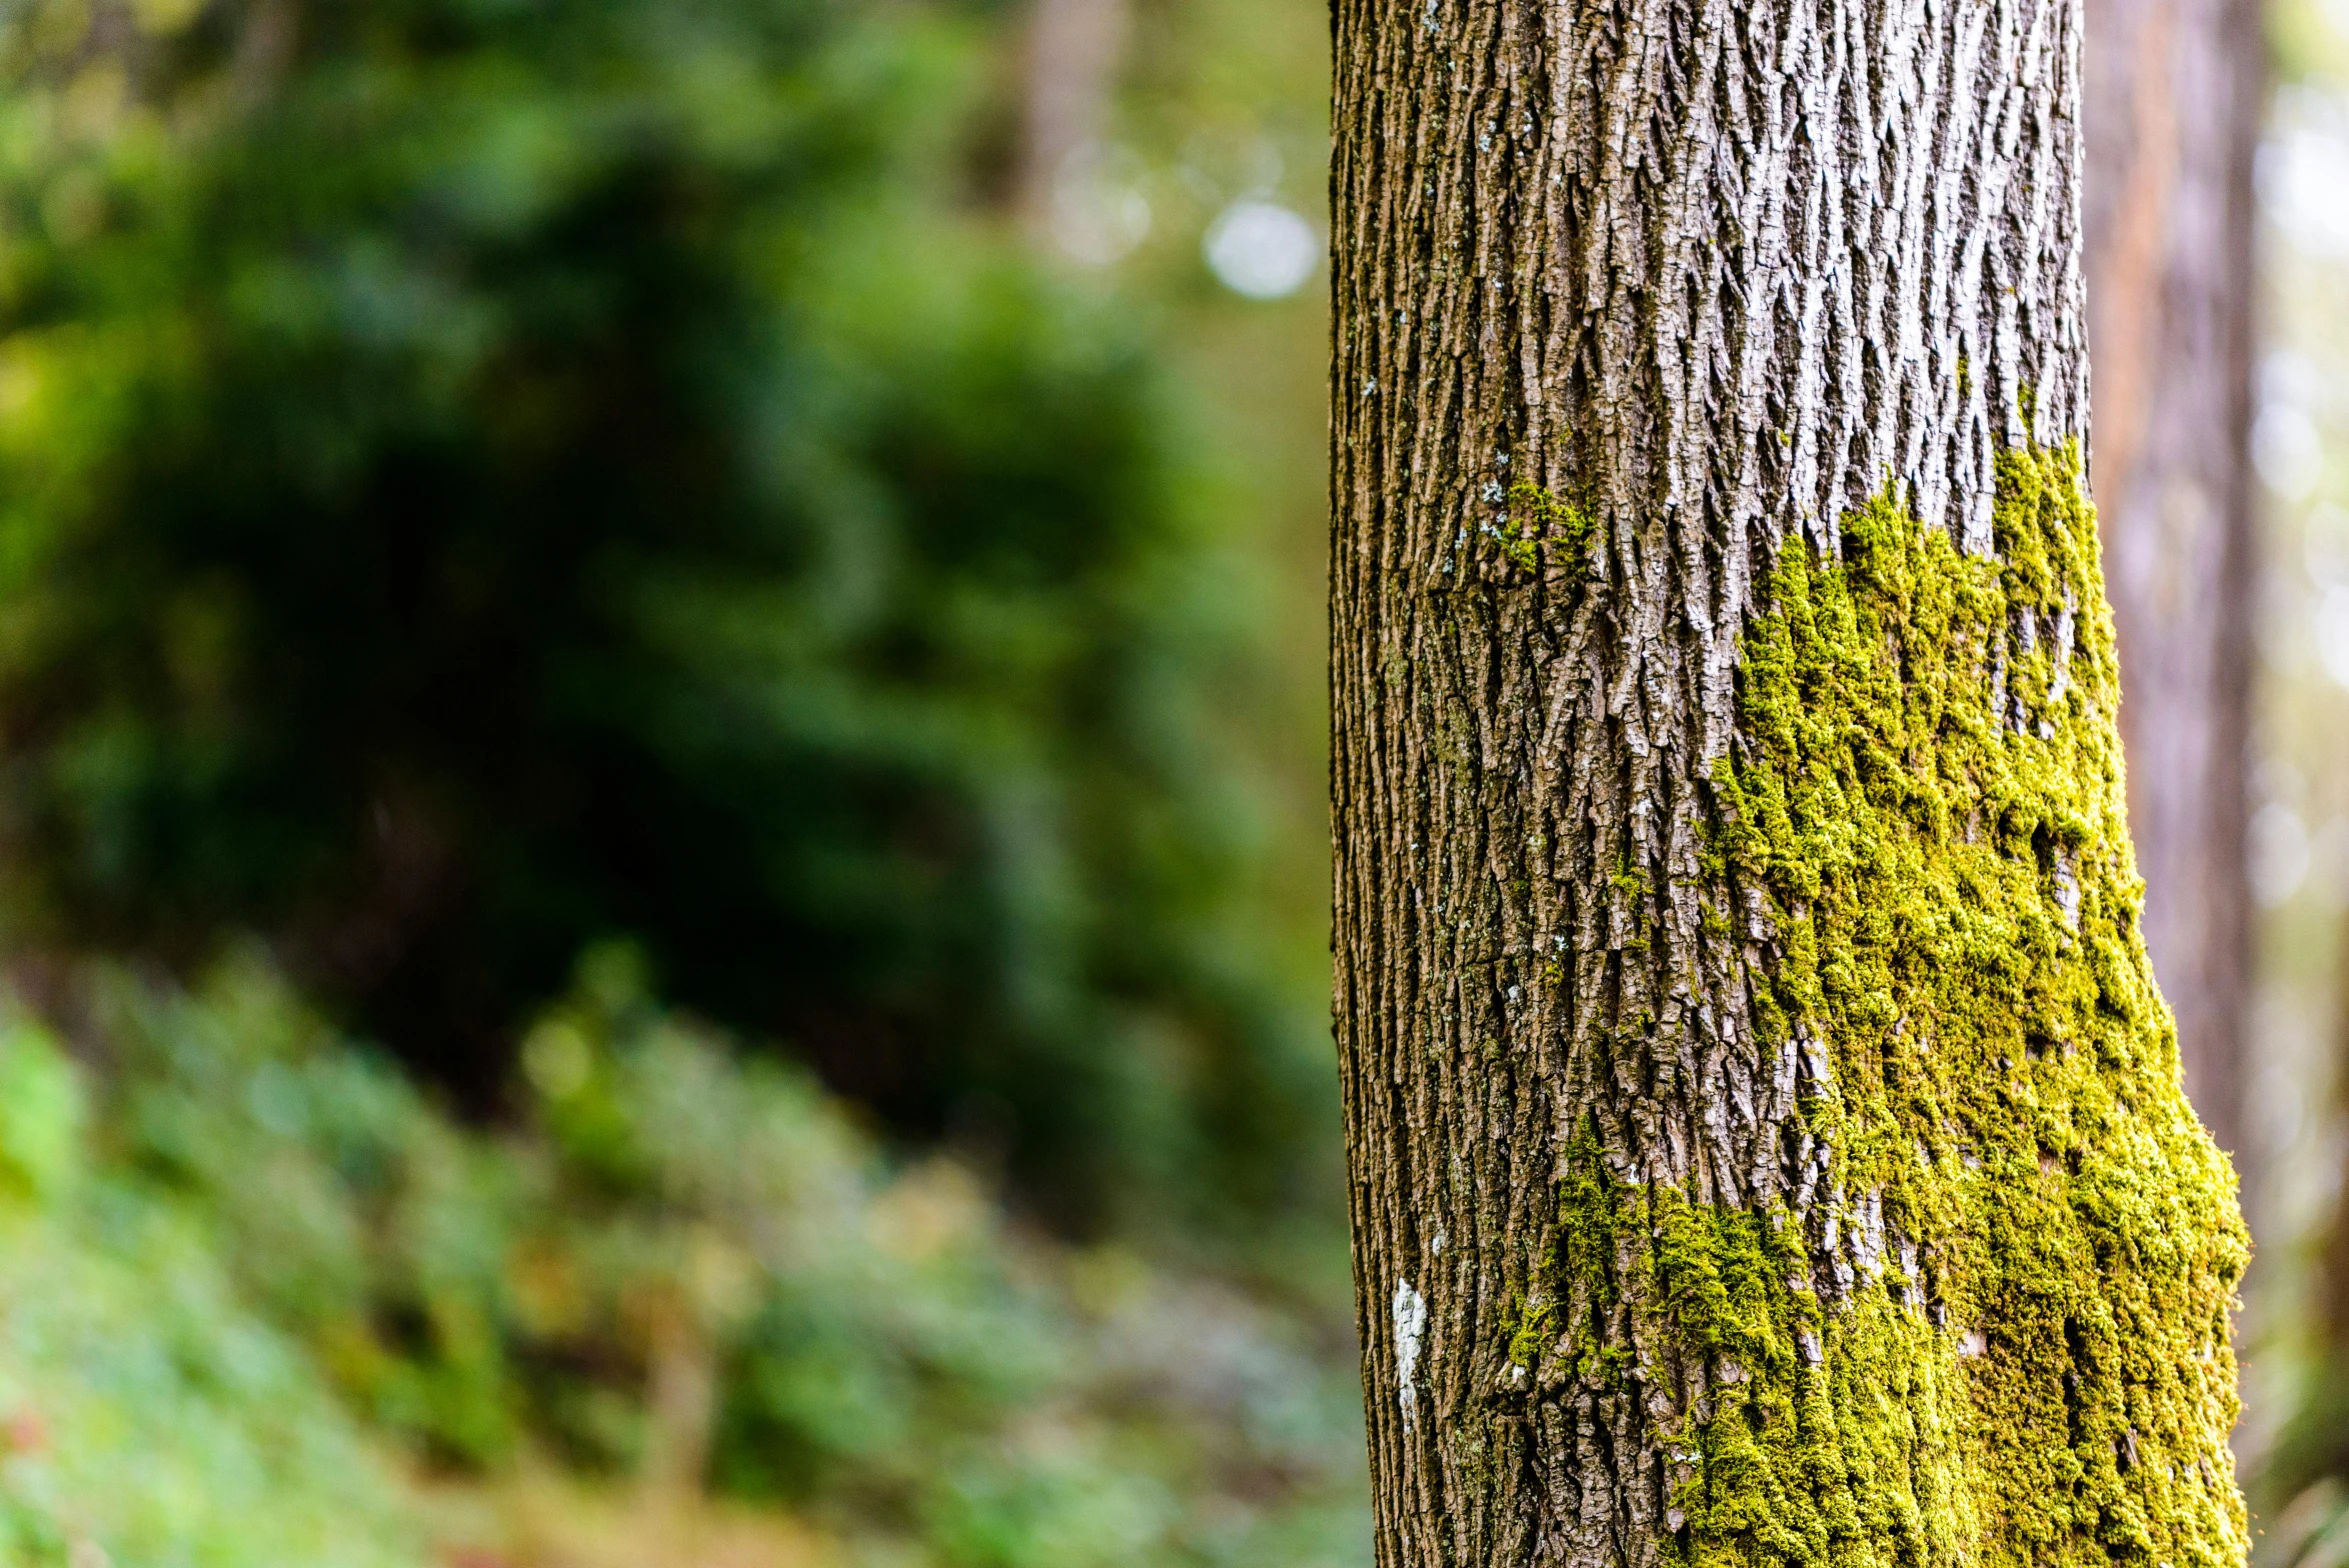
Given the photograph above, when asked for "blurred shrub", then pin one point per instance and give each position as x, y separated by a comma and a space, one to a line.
148, 1417
687, 1269
479, 476
2297, 1470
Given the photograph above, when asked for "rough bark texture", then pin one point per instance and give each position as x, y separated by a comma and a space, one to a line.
1767, 1145
2173, 97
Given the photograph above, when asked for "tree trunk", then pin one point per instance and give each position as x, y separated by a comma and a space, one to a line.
2174, 92
1074, 49
1767, 1145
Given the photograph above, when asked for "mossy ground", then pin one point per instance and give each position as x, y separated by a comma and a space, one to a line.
1998, 1333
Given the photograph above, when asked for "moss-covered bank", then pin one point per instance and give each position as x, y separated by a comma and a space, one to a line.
1991, 1328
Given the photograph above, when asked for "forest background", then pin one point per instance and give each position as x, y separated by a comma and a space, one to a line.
662, 833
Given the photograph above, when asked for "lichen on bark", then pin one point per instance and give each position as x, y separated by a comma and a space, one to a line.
1993, 1325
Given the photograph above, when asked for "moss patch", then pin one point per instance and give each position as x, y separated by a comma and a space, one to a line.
1996, 1331
1539, 525
1826, 1441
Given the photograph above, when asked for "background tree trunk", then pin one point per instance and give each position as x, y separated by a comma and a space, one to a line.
1767, 1146
1074, 50
2174, 91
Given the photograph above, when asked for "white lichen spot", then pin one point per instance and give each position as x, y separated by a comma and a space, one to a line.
1973, 1343
1410, 1326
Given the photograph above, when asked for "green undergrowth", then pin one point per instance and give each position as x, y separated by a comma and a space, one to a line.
1997, 1333
255, 1285
148, 1415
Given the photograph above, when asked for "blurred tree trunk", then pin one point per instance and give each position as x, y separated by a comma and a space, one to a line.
1766, 1144
1074, 50
2174, 91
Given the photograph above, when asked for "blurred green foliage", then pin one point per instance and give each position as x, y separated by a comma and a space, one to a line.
679, 1263
478, 477
145, 1410
483, 481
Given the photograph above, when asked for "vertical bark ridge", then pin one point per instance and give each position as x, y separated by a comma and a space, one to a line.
1637, 302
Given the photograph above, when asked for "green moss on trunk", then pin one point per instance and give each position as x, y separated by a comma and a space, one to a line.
1995, 1331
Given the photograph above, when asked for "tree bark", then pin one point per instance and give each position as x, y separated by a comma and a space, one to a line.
2174, 91
1767, 1145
